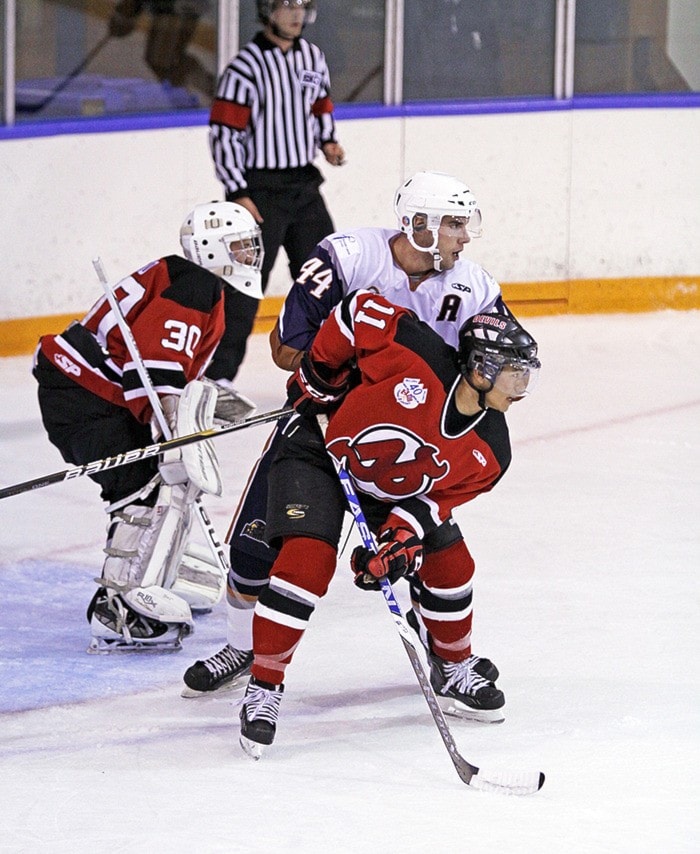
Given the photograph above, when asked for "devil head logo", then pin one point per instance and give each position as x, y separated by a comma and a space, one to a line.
389, 462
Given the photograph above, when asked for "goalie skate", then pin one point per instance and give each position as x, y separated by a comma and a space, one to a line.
145, 619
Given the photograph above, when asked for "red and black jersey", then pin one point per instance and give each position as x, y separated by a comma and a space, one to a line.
398, 432
175, 311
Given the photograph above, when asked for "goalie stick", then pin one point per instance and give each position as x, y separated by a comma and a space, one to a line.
137, 454
505, 782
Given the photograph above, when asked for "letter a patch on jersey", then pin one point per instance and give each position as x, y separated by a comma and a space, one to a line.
410, 393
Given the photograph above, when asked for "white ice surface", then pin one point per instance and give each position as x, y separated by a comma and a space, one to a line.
586, 597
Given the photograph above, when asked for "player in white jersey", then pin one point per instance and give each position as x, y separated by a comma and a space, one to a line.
419, 266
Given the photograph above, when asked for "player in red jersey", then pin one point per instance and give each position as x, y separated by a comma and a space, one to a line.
422, 432
94, 405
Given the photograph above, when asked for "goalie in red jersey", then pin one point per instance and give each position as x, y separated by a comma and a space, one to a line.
421, 429
95, 403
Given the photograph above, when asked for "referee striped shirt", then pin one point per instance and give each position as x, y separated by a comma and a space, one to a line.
272, 111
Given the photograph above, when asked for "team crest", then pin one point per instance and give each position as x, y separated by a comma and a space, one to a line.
390, 462
410, 393
254, 530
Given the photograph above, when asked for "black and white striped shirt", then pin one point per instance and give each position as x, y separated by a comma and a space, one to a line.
272, 111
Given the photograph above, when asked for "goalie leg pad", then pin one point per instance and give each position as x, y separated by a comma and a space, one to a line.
146, 619
200, 581
145, 544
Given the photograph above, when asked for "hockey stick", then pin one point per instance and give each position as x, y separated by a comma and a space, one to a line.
35, 108
505, 782
137, 454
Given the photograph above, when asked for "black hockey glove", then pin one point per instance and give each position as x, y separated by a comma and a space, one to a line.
315, 387
399, 552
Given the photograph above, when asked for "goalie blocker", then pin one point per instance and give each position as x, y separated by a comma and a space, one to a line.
153, 576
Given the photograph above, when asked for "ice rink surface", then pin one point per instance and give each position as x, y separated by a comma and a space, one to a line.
586, 597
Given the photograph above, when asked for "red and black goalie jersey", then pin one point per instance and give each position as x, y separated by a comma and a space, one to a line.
398, 432
175, 311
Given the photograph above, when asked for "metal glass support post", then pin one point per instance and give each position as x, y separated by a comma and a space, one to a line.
9, 32
228, 19
564, 49
393, 52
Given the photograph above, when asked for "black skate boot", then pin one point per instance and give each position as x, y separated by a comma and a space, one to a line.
259, 712
485, 668
219, 672
463, 692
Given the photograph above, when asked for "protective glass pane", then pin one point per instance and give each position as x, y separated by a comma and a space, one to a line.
461, 49
637, 46
109, 57
352, 37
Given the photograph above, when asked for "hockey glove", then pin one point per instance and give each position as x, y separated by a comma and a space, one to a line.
399, 552
315, 387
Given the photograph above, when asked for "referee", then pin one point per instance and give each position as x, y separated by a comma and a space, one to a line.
271, 114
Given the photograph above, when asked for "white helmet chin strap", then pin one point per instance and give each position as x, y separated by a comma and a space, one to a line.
432, 249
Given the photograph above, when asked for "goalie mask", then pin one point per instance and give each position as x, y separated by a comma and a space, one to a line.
223, 237
497, 348
429, 196
267, 7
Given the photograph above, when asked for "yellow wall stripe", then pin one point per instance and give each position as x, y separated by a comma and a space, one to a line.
526, 299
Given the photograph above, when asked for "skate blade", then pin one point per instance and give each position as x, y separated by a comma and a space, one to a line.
481, 716
239, 682
98, 646
251, 748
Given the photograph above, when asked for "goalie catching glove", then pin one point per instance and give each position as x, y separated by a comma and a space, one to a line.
315, 387
399, 552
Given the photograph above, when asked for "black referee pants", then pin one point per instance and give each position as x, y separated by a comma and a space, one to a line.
296, 218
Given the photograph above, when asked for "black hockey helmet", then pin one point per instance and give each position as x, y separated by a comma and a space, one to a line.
267, 7
489, 342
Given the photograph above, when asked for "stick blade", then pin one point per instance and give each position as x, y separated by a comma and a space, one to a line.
507, 782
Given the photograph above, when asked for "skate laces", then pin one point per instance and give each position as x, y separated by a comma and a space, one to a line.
261, 704
226, 660
462, 676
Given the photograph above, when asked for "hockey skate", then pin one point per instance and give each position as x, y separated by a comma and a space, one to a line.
259, 712
145, 619
231, 405
220, 672
463, 692
483, 666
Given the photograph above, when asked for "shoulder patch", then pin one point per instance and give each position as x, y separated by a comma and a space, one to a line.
191, 285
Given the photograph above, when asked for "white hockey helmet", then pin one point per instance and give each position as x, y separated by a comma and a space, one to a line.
435, 195
223, 237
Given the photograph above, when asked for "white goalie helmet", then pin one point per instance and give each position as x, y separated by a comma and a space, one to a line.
223, 237
435, 195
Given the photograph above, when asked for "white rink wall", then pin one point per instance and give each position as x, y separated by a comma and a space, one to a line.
578, 194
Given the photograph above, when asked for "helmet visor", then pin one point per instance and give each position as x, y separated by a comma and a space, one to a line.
459, 226
516, 377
